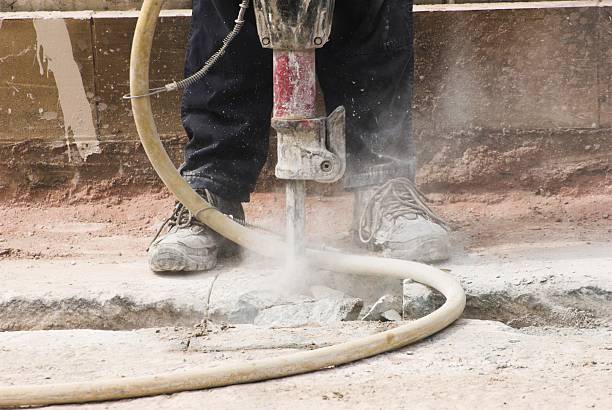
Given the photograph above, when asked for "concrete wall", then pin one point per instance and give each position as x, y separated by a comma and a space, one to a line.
72, 5
503, 98
513, 98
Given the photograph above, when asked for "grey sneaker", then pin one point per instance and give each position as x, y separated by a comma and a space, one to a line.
189, 245
396, 220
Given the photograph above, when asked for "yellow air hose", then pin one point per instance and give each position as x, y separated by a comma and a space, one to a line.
252, 371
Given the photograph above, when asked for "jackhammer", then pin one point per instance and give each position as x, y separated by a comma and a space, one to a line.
309, 148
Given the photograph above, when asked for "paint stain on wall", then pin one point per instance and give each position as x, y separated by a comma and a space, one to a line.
55, 49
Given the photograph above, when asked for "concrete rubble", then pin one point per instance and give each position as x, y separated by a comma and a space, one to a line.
391, 316
382, 305
324, 311
251, 304
419, 300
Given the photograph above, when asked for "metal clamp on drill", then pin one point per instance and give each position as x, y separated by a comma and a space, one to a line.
311, 149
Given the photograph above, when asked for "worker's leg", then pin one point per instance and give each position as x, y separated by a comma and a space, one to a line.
227, 119
227, 114
368, 67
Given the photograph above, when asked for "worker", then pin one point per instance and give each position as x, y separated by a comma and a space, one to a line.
367, 66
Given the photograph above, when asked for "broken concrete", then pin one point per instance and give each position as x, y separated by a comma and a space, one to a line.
555, 283
385, 303
419, 300
391, 316
525, 284
325, 311
251, 304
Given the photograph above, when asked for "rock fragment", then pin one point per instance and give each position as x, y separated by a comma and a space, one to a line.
251, 303
391, 316
321, 312
419, 300
385, 303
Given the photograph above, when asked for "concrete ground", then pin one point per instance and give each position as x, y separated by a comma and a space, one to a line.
536, 332
549, 283
473, 364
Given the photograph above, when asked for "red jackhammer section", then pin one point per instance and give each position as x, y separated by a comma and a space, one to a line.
294, 84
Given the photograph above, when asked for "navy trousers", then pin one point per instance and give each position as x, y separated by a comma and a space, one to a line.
367, 66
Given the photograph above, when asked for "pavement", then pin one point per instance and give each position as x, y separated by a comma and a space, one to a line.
472, 364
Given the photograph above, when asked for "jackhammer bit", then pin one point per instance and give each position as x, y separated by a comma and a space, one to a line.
309, 148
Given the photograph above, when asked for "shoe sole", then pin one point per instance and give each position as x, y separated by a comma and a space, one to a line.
427, 252
169, 260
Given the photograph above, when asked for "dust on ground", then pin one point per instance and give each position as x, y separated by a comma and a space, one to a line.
119, 228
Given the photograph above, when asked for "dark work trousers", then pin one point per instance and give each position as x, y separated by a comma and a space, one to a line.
367, 66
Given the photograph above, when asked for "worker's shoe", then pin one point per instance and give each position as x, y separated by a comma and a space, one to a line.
396, 220
189, 245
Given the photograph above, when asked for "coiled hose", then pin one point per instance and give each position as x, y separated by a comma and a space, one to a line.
253, 371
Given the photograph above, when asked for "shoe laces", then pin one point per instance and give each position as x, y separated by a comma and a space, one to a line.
181, 217
396, 198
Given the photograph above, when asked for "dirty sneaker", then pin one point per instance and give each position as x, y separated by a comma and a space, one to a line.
189, 245
396, 220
